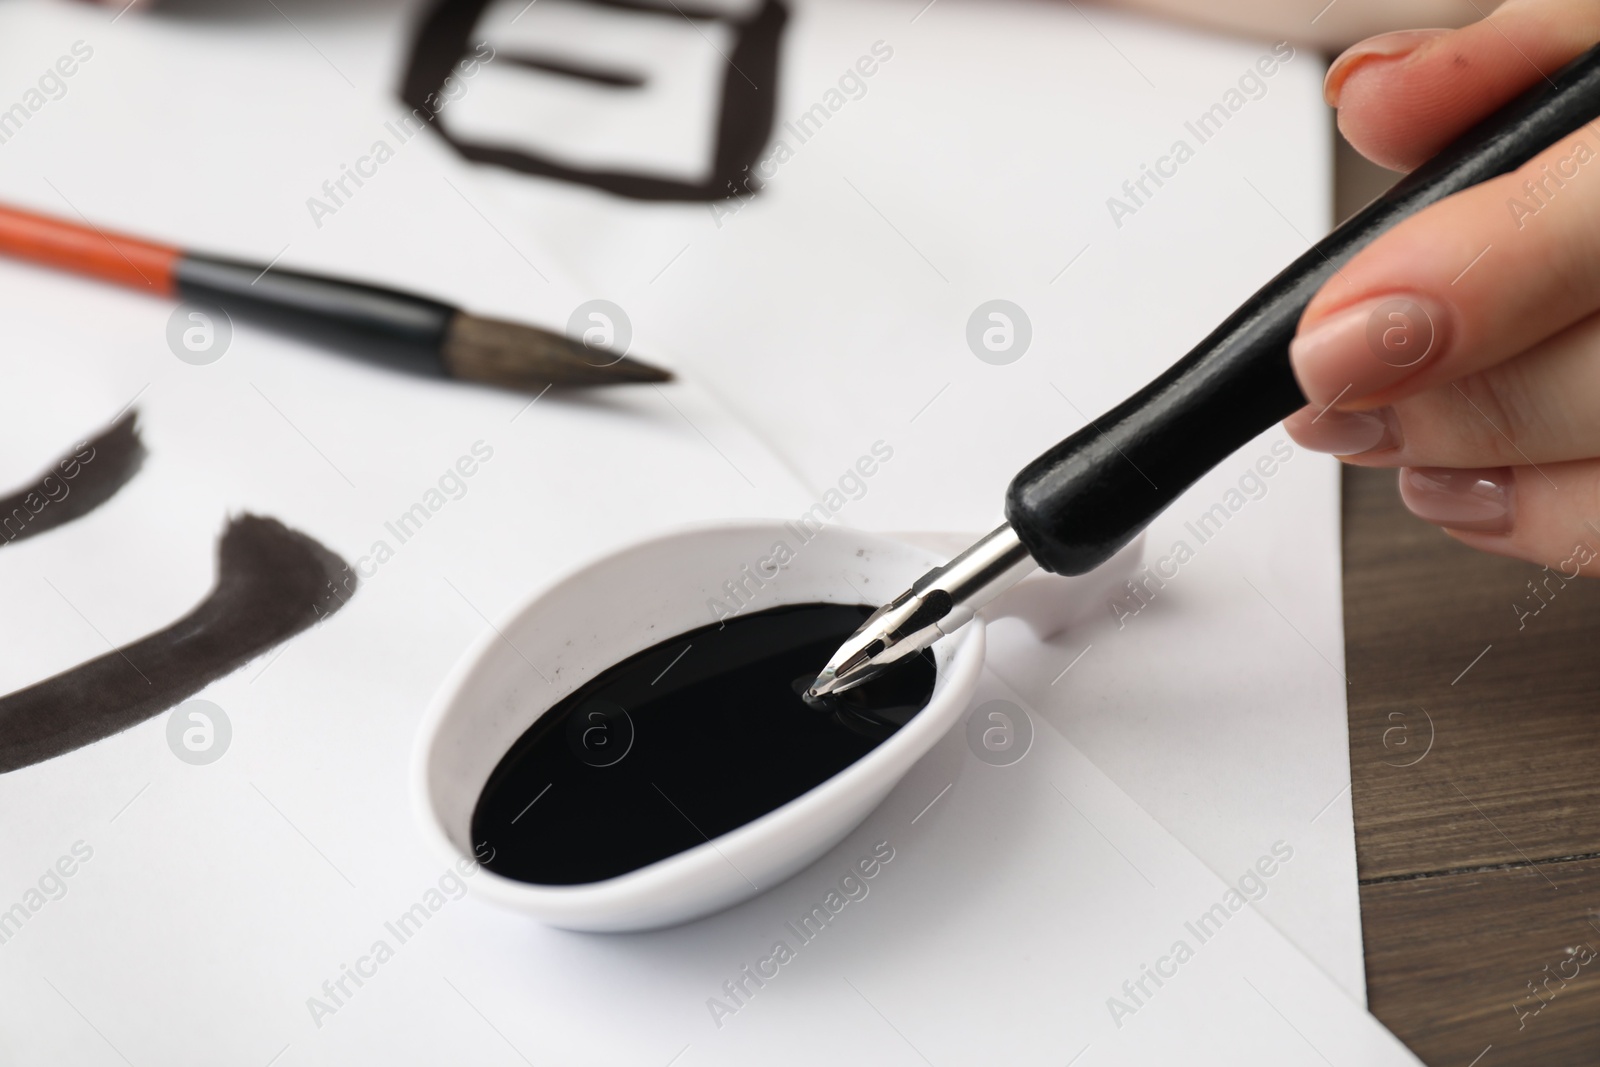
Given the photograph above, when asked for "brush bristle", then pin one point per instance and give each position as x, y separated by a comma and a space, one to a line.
509, 354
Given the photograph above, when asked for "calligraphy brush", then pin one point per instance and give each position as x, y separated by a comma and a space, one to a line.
386, 326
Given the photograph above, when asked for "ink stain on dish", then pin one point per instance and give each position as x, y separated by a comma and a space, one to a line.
76, 484
272, 583
685, 741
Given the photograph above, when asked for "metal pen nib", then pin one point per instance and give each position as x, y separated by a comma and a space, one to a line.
941, 602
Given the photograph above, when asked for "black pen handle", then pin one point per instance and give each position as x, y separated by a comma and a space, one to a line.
1085, 498
384, 325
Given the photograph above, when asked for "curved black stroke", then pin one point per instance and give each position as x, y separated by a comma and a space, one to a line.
744, 125
99, 467
272, 583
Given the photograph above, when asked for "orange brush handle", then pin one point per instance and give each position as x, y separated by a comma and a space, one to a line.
86, 250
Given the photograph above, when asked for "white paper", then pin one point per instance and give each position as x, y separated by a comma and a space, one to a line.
1229, 739
669, 128
1011, 906
814, 321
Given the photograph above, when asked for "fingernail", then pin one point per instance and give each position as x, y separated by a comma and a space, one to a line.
1384, 46
1460, 499
1344, 433
1370, 346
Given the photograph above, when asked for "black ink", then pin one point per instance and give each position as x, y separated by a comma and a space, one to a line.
744, 124
76, 484
272, 583
683, 742
571, 69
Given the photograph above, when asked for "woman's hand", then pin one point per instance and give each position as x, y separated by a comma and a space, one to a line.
1464, 345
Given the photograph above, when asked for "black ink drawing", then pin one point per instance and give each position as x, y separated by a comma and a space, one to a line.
76, 484
744, 123
272, 583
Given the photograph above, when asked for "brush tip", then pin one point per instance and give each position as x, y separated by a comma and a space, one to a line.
628, 369
521, 357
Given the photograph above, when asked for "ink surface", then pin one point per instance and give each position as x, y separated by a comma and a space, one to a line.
684, 741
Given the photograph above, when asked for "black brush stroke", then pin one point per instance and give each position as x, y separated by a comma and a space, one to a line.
668, 8
100, 466
272, 583
744, 123
567, 68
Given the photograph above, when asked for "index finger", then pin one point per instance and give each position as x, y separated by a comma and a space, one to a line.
1470, 282
1403, 96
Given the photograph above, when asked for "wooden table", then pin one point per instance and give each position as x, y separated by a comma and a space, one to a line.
1475, 761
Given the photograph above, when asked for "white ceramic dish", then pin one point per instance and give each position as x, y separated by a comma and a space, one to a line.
636, 598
